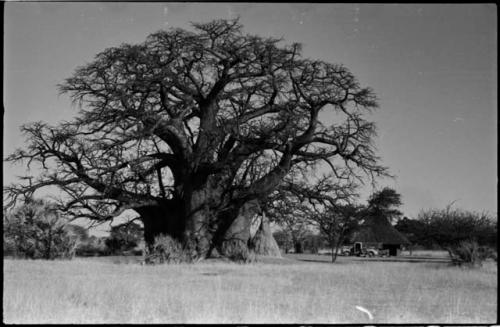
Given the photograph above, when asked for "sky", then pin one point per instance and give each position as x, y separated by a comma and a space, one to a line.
433, 68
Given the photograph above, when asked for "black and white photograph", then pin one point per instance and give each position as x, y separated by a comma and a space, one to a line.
250, 163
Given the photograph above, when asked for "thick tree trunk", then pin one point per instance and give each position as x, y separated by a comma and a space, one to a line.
198, 219
335, 251
166, 218
192, 220
200, 225
234, 235
263, 243
186, 219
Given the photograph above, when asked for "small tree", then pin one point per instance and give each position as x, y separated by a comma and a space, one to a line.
336, 223
124, 237
36, 230
284, 240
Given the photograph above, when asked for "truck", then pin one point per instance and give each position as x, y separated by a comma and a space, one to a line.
360, 249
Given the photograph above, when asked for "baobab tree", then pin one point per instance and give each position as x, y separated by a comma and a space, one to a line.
172, 128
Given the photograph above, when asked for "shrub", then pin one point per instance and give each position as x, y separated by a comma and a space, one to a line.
242, 255
167, 250
238, 251
471, 254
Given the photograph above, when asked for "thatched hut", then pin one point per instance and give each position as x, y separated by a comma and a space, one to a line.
379, 233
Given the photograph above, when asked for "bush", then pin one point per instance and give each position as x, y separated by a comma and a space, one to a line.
36, 230
242, 255
471, 254
167, 250
238, 251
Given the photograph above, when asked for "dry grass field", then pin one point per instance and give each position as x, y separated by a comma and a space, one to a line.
109, 290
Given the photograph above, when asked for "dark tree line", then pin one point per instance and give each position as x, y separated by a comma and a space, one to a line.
446, 228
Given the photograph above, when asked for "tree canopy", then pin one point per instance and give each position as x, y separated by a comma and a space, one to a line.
383, 203
188, 127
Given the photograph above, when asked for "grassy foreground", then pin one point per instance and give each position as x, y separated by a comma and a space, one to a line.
285, 291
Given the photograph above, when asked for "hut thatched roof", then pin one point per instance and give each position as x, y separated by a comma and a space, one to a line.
378, 230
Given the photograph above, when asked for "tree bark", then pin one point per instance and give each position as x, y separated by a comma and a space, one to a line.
337, 245
196, 234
